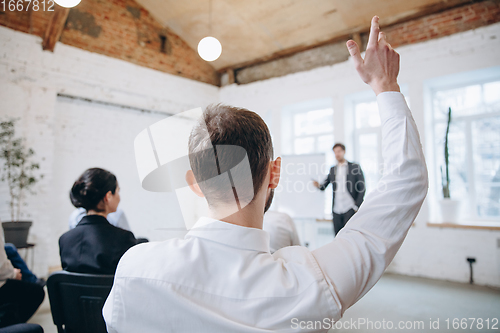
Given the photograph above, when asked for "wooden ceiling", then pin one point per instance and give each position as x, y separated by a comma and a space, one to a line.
253, 31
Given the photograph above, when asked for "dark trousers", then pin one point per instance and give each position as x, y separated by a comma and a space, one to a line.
18, 301
19, 263
340, 220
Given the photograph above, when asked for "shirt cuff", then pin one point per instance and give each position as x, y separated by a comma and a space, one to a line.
390, 104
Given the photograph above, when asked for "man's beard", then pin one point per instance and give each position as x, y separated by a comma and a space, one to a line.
269, 200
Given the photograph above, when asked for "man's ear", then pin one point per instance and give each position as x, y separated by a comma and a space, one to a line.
193, 185
275, 170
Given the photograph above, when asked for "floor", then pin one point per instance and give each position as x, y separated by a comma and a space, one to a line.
415, 303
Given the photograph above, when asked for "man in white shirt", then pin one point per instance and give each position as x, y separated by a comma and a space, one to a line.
222, 277
281, 229
348, 185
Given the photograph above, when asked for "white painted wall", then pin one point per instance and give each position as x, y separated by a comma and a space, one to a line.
431, 252
70, 135
30, 81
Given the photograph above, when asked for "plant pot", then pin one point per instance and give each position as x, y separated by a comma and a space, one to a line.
17, 232
449, 210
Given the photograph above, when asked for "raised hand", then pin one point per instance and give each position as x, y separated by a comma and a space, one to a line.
380, 67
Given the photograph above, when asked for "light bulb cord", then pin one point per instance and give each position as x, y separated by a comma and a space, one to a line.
210, 17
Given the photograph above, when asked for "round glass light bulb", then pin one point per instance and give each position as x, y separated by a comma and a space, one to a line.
67, 3
209, 48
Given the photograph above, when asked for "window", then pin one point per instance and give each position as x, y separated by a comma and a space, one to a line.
367, 136
312, 131
367, 139
474, 145
308, 129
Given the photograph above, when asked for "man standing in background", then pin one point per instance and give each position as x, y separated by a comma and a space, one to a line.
348, 188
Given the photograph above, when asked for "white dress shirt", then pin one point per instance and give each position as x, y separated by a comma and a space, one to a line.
281, 229
118, 218
6, 268
222, 277
343, 200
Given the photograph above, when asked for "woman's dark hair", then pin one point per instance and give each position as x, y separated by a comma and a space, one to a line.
91, 187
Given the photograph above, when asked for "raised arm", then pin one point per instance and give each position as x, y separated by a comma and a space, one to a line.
363, 249
325, 184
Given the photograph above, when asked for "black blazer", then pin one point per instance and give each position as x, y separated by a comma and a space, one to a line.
94, 246
354, 179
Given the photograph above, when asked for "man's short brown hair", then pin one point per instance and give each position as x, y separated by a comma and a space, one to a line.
338, 144
222, 126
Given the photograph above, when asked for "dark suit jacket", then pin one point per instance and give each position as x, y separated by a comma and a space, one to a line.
355, 182
94, 246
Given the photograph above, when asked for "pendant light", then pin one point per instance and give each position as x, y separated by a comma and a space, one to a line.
67, 3
209, 48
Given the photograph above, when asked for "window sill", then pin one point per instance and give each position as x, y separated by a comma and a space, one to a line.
479, 225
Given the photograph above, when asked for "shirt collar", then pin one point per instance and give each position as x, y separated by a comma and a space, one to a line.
230, 234
93, 219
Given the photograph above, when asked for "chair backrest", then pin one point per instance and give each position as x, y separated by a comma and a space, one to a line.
76, 301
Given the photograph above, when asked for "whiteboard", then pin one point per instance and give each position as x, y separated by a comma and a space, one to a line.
295, 194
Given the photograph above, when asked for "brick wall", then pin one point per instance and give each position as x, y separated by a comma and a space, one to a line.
445, 23
120, 29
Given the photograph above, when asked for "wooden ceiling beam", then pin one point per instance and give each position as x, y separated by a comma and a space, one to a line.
55, 28
230, 76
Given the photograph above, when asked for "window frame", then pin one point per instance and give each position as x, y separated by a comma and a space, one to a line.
350, 103
288, 128
449, 82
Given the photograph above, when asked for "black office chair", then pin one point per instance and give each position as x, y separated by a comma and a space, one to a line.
76, 301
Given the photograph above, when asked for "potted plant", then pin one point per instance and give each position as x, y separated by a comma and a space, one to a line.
19, 172
449, 207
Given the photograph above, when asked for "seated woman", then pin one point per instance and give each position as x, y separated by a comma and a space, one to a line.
95, 246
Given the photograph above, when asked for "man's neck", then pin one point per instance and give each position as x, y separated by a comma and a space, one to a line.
342, 162
251, 216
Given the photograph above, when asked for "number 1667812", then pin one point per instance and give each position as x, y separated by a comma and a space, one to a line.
26, 5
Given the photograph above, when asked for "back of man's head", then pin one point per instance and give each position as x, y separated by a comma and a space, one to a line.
230, 134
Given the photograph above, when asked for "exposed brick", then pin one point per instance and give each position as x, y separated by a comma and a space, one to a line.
445, 23
120, 29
